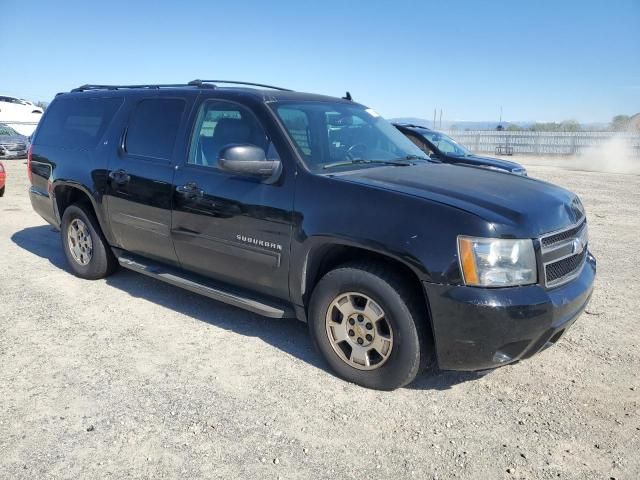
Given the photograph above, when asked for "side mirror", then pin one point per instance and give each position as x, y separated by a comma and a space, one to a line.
249, 160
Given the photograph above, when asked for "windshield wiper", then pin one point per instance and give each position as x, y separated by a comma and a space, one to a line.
413, 157
418, 157
359, 161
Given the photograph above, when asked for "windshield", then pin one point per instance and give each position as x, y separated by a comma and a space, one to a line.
339, 136
11, 100
7, 131
446, 144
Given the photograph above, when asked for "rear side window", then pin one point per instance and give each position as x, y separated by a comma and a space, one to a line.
77, 123
153, 127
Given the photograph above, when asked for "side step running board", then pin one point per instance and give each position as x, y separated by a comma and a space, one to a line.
205, 287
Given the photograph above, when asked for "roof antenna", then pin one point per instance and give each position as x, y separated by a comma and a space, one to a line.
348, 97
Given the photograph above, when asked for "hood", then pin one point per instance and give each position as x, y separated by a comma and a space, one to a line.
515, 205
494, 162
7, 139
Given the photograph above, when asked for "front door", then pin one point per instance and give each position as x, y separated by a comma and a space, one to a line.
232, 228
140, 177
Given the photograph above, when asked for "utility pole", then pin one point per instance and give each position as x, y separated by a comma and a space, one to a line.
434, 118
440, 119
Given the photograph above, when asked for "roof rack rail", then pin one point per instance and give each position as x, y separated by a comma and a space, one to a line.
202, 83
84, 88
192, 83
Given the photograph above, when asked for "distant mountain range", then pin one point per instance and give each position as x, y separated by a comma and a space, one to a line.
482, 125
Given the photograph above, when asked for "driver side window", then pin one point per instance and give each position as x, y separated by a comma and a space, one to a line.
220, 124
446, 147
421, 144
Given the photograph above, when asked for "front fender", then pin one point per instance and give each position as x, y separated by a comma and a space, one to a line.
309, 255
419, 233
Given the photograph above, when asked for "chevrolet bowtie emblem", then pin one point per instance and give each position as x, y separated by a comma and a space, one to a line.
578, 245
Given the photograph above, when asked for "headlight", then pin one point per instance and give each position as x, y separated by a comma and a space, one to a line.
494, 262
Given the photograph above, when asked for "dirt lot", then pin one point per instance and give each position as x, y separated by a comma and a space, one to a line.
131, 378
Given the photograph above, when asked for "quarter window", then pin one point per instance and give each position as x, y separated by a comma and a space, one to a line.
77, 123
153, 127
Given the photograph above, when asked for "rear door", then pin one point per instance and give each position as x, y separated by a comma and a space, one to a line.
140, 175
232, 228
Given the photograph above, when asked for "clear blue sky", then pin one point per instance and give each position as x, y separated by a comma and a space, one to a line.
540, 60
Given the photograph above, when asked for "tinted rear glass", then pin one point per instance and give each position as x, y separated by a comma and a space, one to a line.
77, 122
153, 127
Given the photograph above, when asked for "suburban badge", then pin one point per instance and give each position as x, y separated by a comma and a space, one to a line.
259, 243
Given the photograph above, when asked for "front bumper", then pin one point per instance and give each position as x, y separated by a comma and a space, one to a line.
12, 154
481, 328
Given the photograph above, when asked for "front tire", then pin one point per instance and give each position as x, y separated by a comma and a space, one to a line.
84, 245
2, 191
370, 325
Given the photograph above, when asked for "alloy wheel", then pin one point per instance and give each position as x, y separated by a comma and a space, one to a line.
79, 242
359, 331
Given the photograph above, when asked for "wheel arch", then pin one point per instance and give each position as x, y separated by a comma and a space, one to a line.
69, 193
326, 256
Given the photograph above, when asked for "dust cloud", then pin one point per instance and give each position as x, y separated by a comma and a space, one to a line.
616, 155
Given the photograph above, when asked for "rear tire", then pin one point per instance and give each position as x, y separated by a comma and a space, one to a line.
84, 245
2, 191
370, 325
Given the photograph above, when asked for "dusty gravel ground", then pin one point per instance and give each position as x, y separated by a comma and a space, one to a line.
131, 378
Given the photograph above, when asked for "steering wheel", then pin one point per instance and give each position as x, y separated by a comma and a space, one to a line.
352, 151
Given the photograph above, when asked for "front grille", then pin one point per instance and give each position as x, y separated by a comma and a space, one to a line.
577, 209
564, 253
564, 268
14, 147
554, 239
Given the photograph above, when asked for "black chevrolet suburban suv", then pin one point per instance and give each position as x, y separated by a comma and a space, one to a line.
290, 204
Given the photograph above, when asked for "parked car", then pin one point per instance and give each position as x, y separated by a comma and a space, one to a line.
441, 147
21, 115
290, 204
13, 102
12, 144
3, 179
